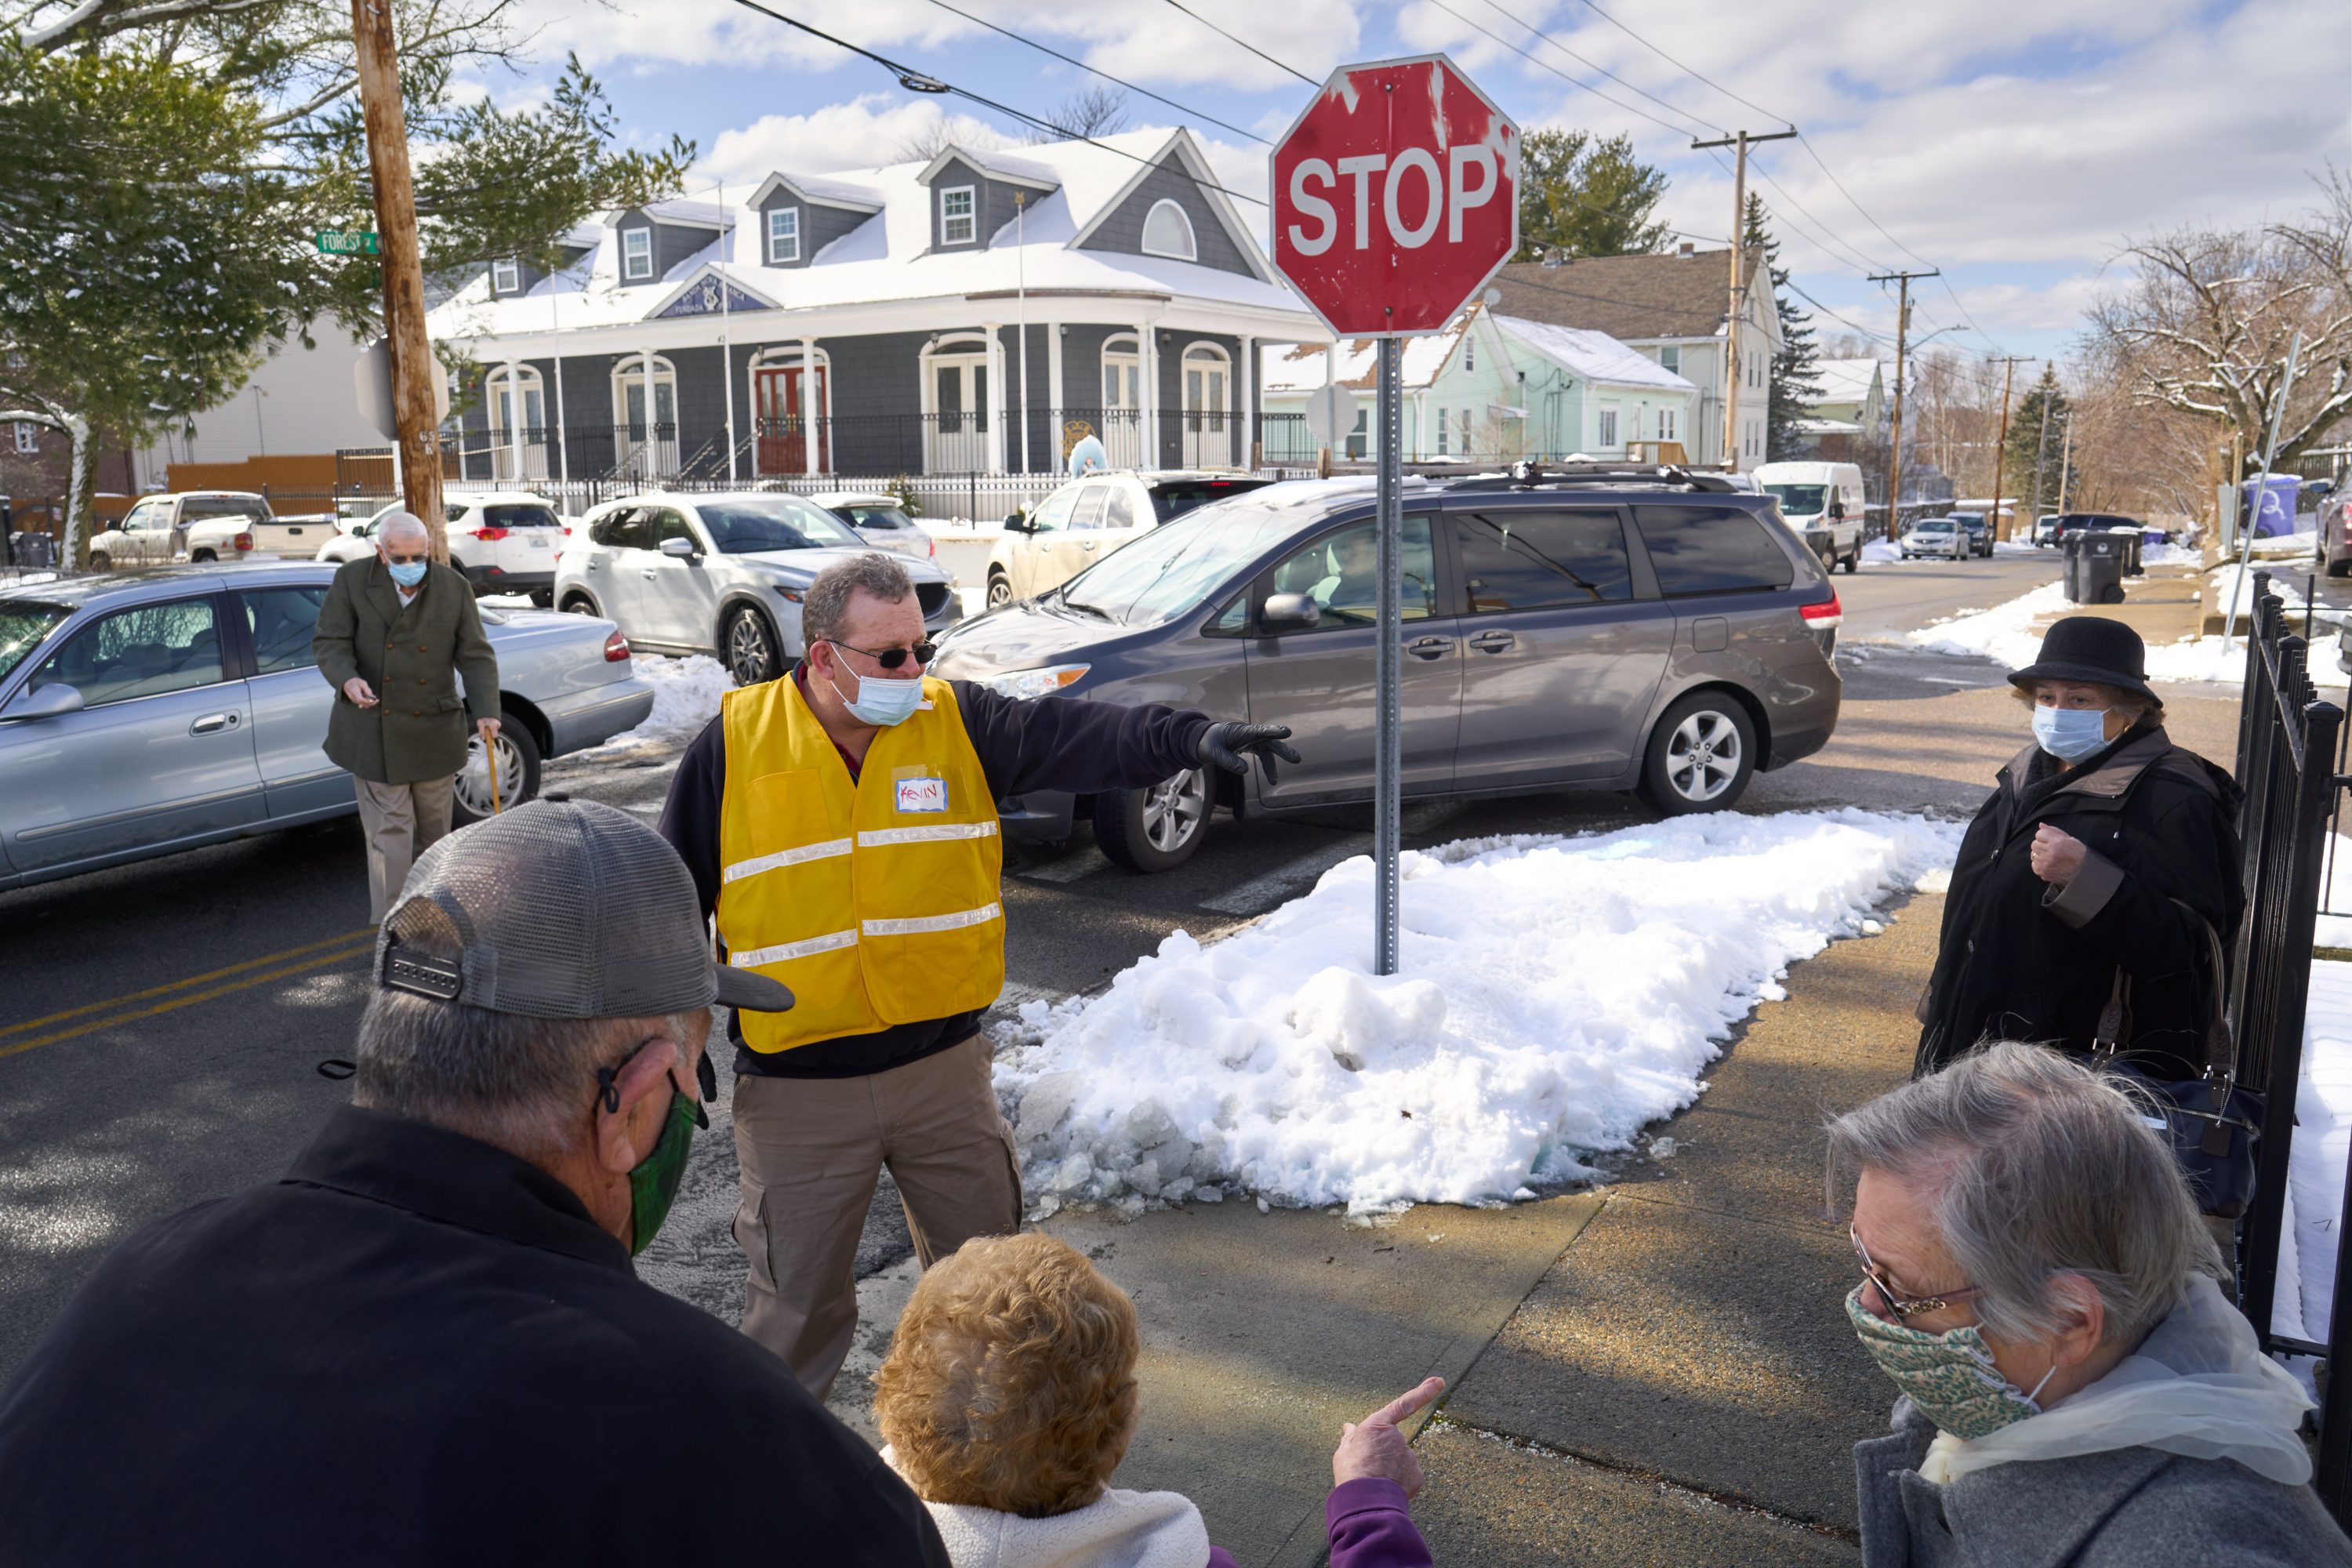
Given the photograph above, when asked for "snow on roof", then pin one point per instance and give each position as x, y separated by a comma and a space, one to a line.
1595, 356
1845, 380
1012, 167
1827, 427
1357, 367
680, 209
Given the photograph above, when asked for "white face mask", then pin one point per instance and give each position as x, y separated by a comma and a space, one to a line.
2070, 734
881, 702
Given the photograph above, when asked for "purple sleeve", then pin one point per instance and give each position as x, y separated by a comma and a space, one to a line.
1370, 1527
1220, 1558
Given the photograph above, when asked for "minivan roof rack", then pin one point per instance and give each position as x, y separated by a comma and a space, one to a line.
1531, 475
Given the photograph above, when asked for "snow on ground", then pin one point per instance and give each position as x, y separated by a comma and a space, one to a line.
2335, 893
686, 698
2004, 634
2316, 1156
1556, 996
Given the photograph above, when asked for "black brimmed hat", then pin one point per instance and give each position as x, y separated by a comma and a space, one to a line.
2089, 648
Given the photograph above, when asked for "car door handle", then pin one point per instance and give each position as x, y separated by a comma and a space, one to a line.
1494, 642
1085, 544
210, 722
1429, 648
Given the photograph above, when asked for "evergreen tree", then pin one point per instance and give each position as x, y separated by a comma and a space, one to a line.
2030, 465
1796, 384
1583, 197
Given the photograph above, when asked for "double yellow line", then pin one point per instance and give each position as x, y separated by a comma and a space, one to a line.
118, 1010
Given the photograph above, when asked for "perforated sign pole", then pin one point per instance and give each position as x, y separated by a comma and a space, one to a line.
1388, 749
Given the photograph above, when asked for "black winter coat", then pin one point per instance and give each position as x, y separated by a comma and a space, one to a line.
2022, 959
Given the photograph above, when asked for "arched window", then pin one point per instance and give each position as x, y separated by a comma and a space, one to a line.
1208, 387
518, 409
644, 436
1168, 232
1122, 368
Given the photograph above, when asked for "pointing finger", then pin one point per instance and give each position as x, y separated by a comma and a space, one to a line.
1403, 1405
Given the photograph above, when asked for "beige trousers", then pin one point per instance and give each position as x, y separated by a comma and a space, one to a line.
812, 1150
401, 821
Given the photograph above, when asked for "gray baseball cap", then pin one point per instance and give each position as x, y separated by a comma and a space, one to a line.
559, 910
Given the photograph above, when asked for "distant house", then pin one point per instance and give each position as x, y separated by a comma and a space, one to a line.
976, 314
1490, 388
1851, 409
1671, 310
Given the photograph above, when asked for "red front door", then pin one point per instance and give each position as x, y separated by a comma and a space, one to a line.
783, 430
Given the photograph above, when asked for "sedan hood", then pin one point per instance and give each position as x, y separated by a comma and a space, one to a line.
1022, 637
800, 567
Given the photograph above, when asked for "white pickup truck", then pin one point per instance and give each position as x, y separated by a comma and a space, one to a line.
206, 525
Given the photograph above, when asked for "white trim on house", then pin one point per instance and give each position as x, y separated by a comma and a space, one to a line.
506, 275
630, 256
783, 234
968, 218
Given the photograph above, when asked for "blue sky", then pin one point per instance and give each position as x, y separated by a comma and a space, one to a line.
2013, 142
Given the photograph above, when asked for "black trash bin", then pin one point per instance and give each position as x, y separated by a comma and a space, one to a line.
2094, 567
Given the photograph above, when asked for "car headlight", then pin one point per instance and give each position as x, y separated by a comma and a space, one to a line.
1023, 684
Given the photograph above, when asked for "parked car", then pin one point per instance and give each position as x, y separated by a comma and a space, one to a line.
505, 542
202, 526
2069, 521
144, 714
718, 573
880, 521
1088, 519
1823, 502
1978, 529
1599, 629
2045, 529
1936, 536
2334, 536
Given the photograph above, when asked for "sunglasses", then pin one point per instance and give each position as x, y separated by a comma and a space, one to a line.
1903, 1307
892, 658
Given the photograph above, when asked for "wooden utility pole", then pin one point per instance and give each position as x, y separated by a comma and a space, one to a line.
1894, 449
2001, 442
413, 364
1737, 312
2041, 461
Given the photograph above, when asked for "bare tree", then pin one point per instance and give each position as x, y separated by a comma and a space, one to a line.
1096, 111
2204, 325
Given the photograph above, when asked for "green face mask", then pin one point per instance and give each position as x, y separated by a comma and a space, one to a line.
653, 1181
1949, 1376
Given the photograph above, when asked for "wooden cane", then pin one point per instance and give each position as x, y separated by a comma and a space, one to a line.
490, 749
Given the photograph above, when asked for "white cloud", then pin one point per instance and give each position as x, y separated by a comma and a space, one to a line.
862, 133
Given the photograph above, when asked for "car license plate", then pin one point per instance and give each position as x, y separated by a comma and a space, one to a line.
537, 542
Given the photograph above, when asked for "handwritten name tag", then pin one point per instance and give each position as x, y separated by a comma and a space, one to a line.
922, 794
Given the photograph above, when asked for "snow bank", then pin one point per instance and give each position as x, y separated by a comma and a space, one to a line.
2004, 634
1556, 996
2317, 1157
686, 698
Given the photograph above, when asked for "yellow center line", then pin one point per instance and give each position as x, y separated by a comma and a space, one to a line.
113, 1020
111, 1001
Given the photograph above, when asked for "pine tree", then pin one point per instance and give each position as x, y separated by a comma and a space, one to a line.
2030, 464
1796, 384
1583, 197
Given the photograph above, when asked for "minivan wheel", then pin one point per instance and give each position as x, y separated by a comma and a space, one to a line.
751, 647
1155, 828
1701, 755
518, 766
1000, 590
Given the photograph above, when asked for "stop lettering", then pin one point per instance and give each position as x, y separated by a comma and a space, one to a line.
1395, 196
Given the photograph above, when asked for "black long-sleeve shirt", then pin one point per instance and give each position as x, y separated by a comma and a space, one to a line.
1045, 743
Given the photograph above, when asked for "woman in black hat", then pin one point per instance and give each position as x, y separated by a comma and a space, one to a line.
2086, 885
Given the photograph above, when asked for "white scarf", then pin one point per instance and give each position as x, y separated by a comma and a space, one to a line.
1118, 1530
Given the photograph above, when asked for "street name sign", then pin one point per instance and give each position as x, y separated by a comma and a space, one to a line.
348, 242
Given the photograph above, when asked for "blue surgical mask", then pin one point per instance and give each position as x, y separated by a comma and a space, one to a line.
2070, 734
407, 574
881, 703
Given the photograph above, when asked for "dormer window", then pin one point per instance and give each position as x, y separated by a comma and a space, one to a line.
957, 224
1168, 232
1469, 354
506, 276
636, 254
783, 234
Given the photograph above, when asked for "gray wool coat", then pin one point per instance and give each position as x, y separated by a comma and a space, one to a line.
411, 657
2128, 1508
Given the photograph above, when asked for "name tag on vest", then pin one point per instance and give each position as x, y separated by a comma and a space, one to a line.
923, 795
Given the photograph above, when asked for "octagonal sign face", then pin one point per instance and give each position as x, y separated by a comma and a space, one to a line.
1396, 196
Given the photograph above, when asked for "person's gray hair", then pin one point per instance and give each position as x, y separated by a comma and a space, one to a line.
2037, 1166
824, 608
523, 1084
402, 522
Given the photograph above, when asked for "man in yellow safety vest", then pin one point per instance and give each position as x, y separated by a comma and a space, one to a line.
840, 823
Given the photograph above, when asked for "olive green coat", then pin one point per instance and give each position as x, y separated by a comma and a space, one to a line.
410, 657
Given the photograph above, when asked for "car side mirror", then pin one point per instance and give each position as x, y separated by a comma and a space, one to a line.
51, 701
1018, 522
1288, 613
680, 548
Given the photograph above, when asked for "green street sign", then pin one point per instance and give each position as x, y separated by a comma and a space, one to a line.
348, 242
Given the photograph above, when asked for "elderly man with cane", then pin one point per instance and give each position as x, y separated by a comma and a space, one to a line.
841, 823
396, 631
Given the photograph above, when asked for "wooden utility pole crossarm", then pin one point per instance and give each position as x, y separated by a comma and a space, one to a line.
414, 367
1737, 312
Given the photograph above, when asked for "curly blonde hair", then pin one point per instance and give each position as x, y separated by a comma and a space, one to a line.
1010, 1383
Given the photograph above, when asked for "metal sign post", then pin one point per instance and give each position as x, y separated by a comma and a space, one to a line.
1388, 749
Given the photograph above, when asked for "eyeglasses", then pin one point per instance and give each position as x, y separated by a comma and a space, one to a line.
1901, 1306
892, 658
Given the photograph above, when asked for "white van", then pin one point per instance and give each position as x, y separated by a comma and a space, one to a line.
1823, 502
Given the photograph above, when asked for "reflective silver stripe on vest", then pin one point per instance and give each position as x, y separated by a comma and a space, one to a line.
754, 957
783, 858
921, 923
881, 836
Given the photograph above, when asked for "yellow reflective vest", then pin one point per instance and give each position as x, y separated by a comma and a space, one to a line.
875, 901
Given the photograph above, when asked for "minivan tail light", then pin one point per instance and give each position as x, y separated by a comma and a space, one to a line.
491, 533
1827, 615
616, 648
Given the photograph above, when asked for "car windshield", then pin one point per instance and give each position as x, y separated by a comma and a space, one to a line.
22, 624
1168, 571
1171, 499
862, 514
195, 508
1935, 525
1800, 500
754, 523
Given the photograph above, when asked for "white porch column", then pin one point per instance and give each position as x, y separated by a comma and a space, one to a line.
1249, 405
1057, 419
510, 427
1147, 401
999, 404
652, 447
814, 426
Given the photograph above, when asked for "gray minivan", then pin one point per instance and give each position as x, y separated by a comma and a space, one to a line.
1597, 627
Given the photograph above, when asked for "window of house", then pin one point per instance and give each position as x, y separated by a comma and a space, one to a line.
1710, 549
1168, 232
636, 254
1469, 354
1666, 425
1542, 560
28, 438
957, 223
783, 234
1443, 428
1671, 357
1606, 434
506, 276
1461, 433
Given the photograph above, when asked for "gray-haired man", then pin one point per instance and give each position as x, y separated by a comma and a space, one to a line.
426, 1344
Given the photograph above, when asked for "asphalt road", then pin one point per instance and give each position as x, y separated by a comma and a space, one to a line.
162, 1024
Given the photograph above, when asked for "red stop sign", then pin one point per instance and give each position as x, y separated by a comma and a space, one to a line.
1396, 196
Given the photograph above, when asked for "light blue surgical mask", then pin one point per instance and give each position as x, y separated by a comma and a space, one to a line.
2070, 734
881, 703
407, 574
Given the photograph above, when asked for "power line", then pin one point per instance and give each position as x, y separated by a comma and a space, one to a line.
1251, 47
1547, 65
1678, 65
1596, 65
1082, 65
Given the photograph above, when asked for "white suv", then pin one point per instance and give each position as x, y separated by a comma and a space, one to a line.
1088, 519
505, 542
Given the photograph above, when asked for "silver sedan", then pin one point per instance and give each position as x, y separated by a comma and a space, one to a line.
149, 713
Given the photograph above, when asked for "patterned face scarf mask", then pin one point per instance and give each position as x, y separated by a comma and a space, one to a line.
1949, 1376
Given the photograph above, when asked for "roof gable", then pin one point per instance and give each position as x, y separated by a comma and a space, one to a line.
1627, 297
708, 292
819, 193
1181, 147
1002, 166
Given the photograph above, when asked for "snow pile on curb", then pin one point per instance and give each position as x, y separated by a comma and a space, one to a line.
2004, 634
2316, 1158
686, 698
1556, 996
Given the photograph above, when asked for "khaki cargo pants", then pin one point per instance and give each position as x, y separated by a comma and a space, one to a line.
812, 1151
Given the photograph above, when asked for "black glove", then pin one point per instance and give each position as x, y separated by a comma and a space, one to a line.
1230, 745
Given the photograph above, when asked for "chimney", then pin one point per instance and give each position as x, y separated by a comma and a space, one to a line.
1687, 249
